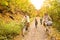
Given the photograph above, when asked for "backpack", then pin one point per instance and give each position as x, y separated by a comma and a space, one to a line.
49, 23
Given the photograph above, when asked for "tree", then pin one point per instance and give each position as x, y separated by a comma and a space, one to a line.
52, 7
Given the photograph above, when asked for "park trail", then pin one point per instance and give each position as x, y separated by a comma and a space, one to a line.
34, 33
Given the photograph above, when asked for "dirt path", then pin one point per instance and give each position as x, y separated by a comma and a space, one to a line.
36, 33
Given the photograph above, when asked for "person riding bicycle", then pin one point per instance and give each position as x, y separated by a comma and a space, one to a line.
26, 23
36, 22
47, 22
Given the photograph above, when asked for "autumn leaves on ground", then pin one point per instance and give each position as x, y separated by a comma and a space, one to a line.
11, 15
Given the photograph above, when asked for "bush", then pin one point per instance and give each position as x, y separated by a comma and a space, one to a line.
56, 20
9, 30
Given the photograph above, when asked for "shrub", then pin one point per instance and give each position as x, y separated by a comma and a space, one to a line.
9, 30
